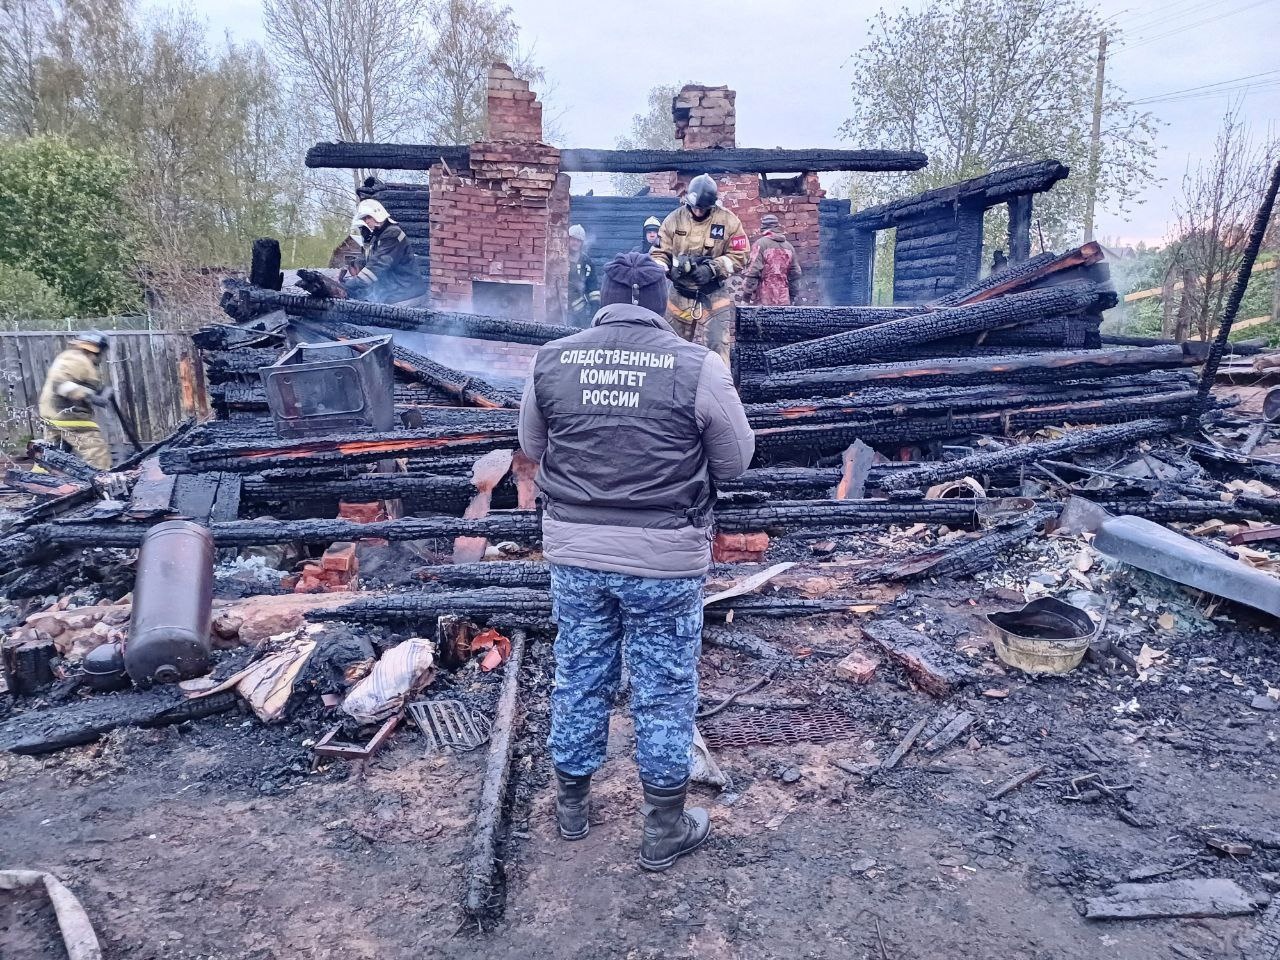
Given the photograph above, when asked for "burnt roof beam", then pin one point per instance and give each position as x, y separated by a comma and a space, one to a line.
399, 156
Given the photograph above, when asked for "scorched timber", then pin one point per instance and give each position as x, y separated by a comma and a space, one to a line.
462, 387
871, 342
473, 325
830, 439
439, 494
964, 371
783, 325
906, 402
251, 533
404, 156
785, 517
356, 448
1124, 434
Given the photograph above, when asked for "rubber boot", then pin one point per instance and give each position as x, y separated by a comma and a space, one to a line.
670, 831
572, 804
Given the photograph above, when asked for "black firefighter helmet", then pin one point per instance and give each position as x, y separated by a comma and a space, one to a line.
702, 193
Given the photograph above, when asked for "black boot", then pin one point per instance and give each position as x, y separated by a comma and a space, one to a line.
670, 831
572, 795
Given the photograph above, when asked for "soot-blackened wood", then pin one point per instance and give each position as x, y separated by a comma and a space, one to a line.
422, 607
1021, 276
51, 458
830, 439
1019, 232
438, 493
401, 156
1024, 453
248, 533
963, 559
464, 388
935, 666
905, 402
264, 265
356, 448
782, 325
784, 516
784, 483
1014, 368
387, 156
868, 343
222, 366
999, 187
443, 322
503, 573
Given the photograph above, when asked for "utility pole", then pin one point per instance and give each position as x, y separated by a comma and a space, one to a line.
1095, 136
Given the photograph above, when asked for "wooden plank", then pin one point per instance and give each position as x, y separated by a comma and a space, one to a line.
901, 749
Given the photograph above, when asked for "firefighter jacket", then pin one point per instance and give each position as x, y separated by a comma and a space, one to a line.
773, 276
720, 236
390, 269
584, 291
72, 379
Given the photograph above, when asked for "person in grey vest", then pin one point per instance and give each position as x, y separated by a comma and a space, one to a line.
630, 426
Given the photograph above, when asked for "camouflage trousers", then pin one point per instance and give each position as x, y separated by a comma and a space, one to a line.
659, 624
88, 443
707, 320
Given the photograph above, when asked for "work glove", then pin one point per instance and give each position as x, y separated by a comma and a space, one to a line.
102, 397
704, 274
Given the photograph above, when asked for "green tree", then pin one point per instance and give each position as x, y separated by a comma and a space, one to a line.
655, 129
66, 222
27, 301
979, 86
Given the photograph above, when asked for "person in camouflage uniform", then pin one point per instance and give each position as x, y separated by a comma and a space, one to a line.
701, 245
73, 387
630, 426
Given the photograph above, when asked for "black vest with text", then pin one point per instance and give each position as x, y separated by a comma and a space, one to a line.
623, 445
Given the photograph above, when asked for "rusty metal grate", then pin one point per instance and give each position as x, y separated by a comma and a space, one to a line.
449, 725
744, 729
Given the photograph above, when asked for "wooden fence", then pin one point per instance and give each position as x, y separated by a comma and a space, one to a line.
157, 376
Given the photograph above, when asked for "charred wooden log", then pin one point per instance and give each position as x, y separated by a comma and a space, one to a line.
249, 533
399, 156
443, 322
1023, 453
43, 484
906, 402
418, 493
356, 448
1013, 368
783, 325
222, 366
784, 517
264, 264
51, 458
830, 439
1011, 310
464, 388
960, 560
504, 573
1024, 275
988, 190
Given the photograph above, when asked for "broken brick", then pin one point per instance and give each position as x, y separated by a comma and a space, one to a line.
857, 668
739, 547
340, 558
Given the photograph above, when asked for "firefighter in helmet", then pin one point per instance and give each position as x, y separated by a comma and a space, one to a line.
584, 281
386, 270
701, 245
73, 388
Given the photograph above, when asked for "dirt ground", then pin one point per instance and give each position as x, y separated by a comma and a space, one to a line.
216, 840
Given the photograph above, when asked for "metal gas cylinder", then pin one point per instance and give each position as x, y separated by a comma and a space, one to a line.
172, 604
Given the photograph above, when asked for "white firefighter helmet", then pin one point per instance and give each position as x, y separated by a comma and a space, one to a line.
653, 223
577, 232
372, 208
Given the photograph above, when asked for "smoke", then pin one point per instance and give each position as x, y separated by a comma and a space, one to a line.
501, 364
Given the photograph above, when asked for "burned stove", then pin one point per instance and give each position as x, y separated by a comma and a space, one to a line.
332, 387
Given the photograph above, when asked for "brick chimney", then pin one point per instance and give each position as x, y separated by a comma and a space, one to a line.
504, 221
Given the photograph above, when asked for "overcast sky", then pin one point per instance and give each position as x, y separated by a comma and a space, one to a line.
788, 63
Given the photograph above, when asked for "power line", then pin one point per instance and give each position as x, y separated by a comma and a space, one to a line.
1168, 14
1158, 98
1242, 88
1153, 38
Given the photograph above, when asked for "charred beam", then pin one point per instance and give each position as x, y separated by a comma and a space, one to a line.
1023, 275
394, 156
442, 322
989, 190
784, 517
1024, 453
830, 439
1011, 310
783, 325
966, 371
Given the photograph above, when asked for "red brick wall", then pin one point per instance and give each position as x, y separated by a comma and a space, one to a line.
505, 220
705, 117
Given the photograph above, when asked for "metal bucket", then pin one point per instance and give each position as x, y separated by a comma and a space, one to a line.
1045, 636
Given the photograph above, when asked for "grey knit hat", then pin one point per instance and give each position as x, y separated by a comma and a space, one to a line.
635, 278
